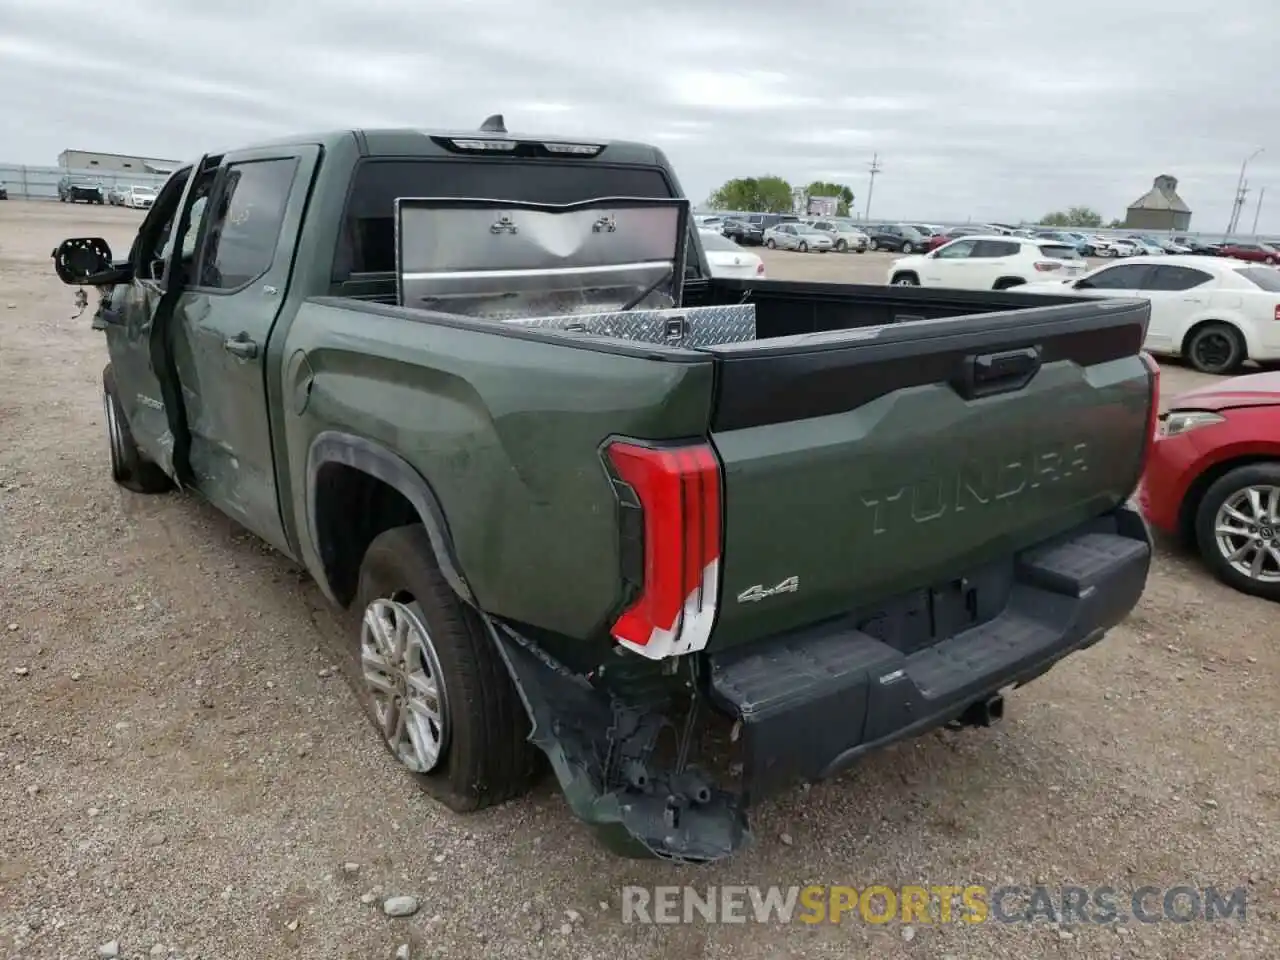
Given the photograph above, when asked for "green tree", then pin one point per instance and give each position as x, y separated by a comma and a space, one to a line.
767, 194
1072, 217
821, 188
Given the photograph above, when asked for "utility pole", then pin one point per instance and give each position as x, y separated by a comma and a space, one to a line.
1240, 192
874, 168
1257, 211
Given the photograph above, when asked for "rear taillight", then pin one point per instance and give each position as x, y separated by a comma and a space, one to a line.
1277, 313
760, 273
669, 521
1153, 415
1044, 266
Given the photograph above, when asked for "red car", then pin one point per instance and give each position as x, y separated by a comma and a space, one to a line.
938, 239
1213, 479
1257, 252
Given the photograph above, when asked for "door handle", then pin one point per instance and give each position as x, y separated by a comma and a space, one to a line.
241, 346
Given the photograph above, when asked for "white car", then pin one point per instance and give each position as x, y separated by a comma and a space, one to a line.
797, 236
987, 263
728, 260
140, 198
1114, 247
1146, 248
1214, 311
844, 236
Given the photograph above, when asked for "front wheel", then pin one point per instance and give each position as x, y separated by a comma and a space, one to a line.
1215, 348
873, 245
905, 280
842, 246
1271, 261
432, 681
770, 244
908, 248
129, 466
1238, 529
803, 248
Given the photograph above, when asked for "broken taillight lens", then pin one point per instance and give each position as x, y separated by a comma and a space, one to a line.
675, 565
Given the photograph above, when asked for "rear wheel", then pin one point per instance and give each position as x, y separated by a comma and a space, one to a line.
908, 248
872, 244
1215, 348
1271, 261
1238, 529
770, 244
129, 466
432, 681
905, 280
842, 246
1004, 283
803, 248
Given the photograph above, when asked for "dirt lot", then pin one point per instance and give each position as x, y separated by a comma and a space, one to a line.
181, 774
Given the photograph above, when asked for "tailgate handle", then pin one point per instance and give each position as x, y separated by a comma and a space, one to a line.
987, 374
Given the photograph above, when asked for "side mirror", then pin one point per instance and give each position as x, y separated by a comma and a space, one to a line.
85, 261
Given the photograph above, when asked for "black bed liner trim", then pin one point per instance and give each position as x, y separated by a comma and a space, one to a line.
794, 378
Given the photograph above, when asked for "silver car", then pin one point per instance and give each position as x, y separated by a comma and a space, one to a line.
844, 235
797, 236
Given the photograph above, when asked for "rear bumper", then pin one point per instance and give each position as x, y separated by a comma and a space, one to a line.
813, 702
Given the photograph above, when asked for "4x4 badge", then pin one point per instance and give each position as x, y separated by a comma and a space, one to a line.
760, 592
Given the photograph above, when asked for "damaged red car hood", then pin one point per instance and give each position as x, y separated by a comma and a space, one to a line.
1251, 390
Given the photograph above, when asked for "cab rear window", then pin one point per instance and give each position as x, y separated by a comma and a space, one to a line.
367, 243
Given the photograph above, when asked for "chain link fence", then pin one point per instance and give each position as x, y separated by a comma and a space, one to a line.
41, 183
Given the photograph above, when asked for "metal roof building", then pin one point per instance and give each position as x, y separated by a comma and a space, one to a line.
1160, 208
114, 162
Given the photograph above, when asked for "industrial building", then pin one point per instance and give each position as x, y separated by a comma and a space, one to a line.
114, 162
1160, 208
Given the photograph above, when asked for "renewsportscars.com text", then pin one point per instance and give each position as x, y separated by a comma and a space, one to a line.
878, 904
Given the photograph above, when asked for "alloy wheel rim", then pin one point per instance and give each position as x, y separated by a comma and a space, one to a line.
1247, 531
401, 673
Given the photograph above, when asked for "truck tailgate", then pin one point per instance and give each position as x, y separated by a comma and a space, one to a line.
874, 464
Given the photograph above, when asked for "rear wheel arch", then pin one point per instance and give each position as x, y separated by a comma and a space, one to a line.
1004, 283
358, 489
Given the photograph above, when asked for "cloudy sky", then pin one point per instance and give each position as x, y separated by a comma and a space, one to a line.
990, 109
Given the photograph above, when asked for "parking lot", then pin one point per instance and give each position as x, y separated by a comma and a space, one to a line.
180, 769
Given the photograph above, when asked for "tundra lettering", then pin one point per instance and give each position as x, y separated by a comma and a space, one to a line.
974, 485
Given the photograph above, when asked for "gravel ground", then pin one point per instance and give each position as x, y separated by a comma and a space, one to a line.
181, 773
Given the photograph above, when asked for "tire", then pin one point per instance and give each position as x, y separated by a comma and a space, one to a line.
129, 466
803, 248
1231, 488
842, 246
872, 244
770, 244
1006, 283
484, 755
905, 280
908, 248
1271, 261
1215, 348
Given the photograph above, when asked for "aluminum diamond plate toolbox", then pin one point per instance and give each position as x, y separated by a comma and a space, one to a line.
688, 327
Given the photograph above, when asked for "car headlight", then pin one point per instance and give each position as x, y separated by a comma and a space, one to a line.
1181, 421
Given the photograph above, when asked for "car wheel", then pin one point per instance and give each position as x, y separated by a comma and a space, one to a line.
433, 682
1215, 348
873, 245
803, 248
770, 244
129, 466
842, 246
908, 248
1271, 261
905, 280
1005, 283
1238, 529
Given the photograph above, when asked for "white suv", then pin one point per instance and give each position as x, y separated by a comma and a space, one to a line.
988, 263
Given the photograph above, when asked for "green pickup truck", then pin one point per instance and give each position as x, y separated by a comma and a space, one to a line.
691, 539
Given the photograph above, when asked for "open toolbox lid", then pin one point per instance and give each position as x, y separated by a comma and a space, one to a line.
501, 259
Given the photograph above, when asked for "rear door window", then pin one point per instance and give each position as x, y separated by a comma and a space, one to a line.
368, 245
1175, 278
1126, 276
996, 248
